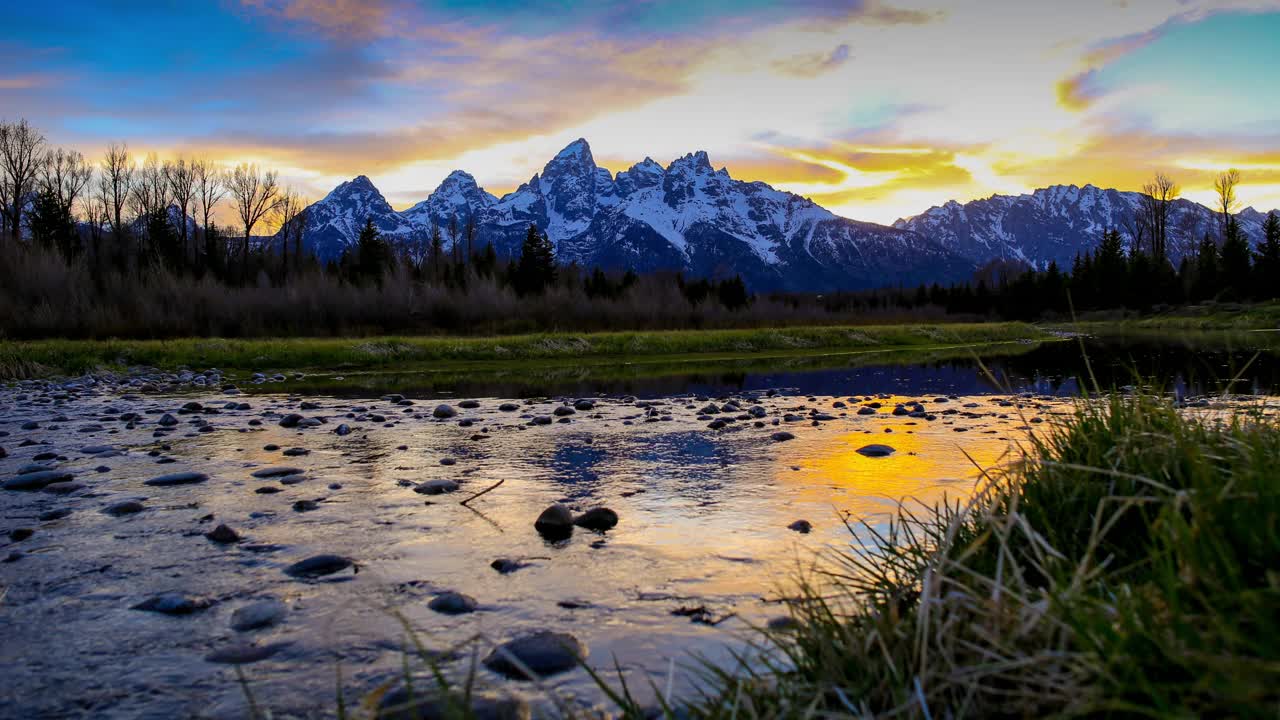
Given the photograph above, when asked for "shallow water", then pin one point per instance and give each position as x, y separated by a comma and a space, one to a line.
704, 516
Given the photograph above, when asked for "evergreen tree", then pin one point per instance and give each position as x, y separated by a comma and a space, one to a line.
733, 293
1205, 285
373, 256
537, 266
1111, 268
1266, 267
1234, 263
52, 225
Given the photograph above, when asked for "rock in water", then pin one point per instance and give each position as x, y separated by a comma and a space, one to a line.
173, 604
258, 614
443, 411
243, 653
37, 479
318, 566
127, 507
543, 653
276, 471
556, 522
782, 436
453, 603
876, 451
223, 534
291, 420
436, 487
801, 526
600, 519
178, 478
422, 701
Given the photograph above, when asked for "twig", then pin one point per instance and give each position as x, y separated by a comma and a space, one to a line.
491, 487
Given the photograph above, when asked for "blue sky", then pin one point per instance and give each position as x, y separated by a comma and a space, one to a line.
876, 109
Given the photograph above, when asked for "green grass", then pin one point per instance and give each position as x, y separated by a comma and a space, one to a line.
1129, 567
31, 358
1206, 316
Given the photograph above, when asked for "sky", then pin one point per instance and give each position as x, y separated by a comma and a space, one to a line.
876, 109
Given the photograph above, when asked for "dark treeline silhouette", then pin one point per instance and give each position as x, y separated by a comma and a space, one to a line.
132, 249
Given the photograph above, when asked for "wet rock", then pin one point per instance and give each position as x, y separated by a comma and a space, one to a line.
244, 653
782, 436
508, 407
30, 425
801, 526
782, 623
276, 471
291, 420
52, 515
296, 452
564, 411
173, 604
65, 488
20, 534
443, 412
259, 614
126, 507
876, 450
468, 404
223, 534
584, 405
343, 429
178, 478
436, 487
3, 453
168, 420
267, 490
318, 566
556, 522
305, 505
599, 519
540, 420
37, 479
506, 566
424, 701
543, 654
271, 447
453, 603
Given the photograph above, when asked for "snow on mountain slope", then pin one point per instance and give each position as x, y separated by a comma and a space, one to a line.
334, 223
1058, 222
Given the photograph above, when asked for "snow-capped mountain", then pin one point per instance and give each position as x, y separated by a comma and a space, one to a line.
1061, 221
334, 223
686, 216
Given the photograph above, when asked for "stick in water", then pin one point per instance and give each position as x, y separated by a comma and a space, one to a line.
491, 487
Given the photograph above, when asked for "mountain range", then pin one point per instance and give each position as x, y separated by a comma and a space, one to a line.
693, 218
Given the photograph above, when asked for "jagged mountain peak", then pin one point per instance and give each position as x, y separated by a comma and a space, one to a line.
694, 162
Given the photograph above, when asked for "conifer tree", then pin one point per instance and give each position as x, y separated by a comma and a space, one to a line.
1234, 261
1266, 268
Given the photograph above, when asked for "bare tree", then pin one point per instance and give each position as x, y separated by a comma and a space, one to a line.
1225, 185
21, 151
254, 194
291, 210
1154, 208
181, 177
210, 189
64, 175
115, 185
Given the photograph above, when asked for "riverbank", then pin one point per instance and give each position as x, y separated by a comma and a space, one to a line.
36, 358
1104, 574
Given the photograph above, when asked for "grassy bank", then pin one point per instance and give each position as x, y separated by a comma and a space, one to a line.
1207, 316
1129, 567
29, 358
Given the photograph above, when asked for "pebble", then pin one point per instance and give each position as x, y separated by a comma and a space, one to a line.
443, 411
223, 534
243, 653
436, 487
259, 614
127, 507
782, 436
37, 479
173, 604
318, 566
276, 471
801, 526
422, 701
453, 603
178, 478
876, 450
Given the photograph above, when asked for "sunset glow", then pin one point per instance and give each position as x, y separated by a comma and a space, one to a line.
876, 110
